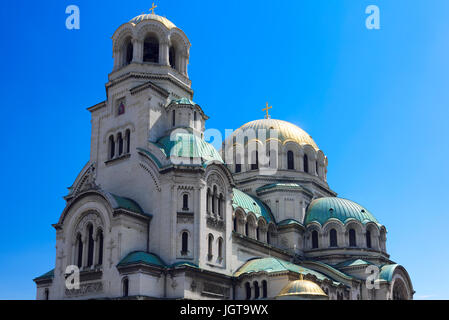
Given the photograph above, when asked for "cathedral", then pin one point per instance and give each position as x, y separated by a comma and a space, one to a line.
157, 212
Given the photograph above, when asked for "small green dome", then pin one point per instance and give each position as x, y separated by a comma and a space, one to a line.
323, 209
186, 144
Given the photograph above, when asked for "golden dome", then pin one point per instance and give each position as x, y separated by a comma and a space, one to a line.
163, 20
286, 131
302, 288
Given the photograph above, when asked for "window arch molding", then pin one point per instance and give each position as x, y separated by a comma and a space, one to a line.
359, 232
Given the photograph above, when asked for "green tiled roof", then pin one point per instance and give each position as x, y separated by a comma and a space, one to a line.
152, 156
292, 186
386, 272
251, 204
127, 204
185, 144
272, 265
142, 257
289, 222
183, 101
352, 263
49, 275
323, 209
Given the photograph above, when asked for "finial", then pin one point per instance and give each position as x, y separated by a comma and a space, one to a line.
152, 8
301, 277
266, 109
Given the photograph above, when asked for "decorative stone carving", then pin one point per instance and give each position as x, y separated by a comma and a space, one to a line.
86, 288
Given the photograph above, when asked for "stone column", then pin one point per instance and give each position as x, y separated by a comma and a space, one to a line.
163, 53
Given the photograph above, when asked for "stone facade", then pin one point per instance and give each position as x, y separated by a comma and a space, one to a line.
141, 223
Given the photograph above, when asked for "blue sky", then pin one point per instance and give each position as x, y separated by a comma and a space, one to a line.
375, 101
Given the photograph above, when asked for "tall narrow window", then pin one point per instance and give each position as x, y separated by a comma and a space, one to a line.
79, 244
264, 289
333, 238
268, 237
248, 291
368, 239
255, 161
306, 164
125, 288
47, 294
246, 229
100, 247
208, 200
172, 57
129, 53
290, 160
185, 243
256, 290
90, 246
220, 248
257, 233
214, 200
209, 248
352, 238
238, 164
111, 147
317, 168
185, 202
173, 115
220, 205
120, 144
235, 224
314, 239
151, 49
128, 141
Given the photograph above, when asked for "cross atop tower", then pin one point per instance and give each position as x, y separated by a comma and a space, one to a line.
267, 109
152, 8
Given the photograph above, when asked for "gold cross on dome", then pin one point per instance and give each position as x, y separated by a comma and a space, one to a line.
152, 8
266, 109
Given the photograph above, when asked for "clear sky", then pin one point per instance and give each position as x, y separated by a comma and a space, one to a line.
375, 101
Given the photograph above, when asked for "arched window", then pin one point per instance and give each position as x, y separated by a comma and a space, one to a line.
317, 168
246, 229
129, 53
333, 238
172, 57
314, 239
248, 291
100, 240
125, 287
209, 248
256, 290
111, 147
128, 141
352, 239
268, 237
185, 243
264, 289
290, 160
235, 224
306, 164
255, 161
151, 49
185, 202
90, 245
79, 244
220, 248
120, 144
195, 117
257, 233
368, 239
173, 115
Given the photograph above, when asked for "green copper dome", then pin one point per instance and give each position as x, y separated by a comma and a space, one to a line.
323, 209
186, 144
